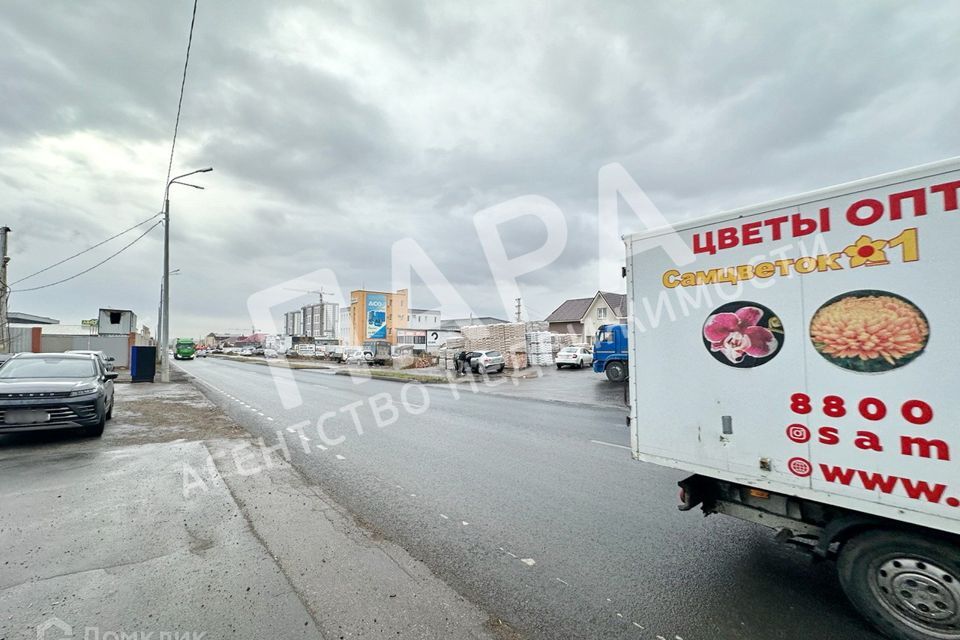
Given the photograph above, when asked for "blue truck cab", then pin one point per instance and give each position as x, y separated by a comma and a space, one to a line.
610, 351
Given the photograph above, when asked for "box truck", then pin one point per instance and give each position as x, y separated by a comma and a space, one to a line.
797, 358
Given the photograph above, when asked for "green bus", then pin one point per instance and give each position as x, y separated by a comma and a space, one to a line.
184, 350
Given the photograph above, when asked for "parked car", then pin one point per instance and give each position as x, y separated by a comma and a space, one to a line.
355, 356
485, 361
105, 360
200, 353
574, 357
245, 352
271, 353
40, 391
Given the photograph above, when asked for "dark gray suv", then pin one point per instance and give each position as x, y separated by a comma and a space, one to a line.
41, 391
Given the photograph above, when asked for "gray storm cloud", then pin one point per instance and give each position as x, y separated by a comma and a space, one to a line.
337, 129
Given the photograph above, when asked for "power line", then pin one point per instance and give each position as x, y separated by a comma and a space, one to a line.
90, 248
105, 260
183, 82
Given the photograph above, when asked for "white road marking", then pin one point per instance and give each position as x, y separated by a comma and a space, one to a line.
260, 412
610, 444
321, 447
528, 561
637, 625
413, 495
619, 615
444, 517
510, 554
305, 438
291, 430
464, 523
563, 582
269, 418
340, 457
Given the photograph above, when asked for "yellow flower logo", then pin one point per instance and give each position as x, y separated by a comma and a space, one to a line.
867, 251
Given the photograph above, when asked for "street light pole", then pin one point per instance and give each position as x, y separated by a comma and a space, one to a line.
160, 339
165, 366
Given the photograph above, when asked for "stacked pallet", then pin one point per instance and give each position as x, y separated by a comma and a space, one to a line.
537, 326
561, 340
515, 360
514, 338
540, 348
508, 338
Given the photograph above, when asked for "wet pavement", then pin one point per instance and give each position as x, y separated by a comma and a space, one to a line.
578, 386
534, 509
150, 531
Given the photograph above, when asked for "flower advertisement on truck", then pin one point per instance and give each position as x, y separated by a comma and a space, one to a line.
823, 336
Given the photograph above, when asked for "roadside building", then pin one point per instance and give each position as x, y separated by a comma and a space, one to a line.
343, 326
421, 330
450, 328
114, 332
376, 315
312, 321
15, 318
293, 323
218, 340
584, 316
331, 320
320, 320
251, 341
116, 322
568, 317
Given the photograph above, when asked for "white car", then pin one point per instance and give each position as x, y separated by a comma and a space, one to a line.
574, 357
486, 361
355, 356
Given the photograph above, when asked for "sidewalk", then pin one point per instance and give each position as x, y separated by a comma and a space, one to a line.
151, 529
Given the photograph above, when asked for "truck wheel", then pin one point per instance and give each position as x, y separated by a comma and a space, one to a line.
616, 371
907, 585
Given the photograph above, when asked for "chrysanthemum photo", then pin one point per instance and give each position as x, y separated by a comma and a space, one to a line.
869, 331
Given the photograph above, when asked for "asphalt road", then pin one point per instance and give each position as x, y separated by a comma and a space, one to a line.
534, 511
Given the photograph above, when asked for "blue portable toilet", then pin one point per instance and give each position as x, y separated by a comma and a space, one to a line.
143, 363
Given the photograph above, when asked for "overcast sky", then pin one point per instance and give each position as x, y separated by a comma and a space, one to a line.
338, 128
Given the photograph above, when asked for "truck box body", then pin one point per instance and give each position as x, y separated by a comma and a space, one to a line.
809, 347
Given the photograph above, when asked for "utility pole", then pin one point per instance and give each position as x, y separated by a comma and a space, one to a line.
518, 309
165, 367
5, 294
159, 320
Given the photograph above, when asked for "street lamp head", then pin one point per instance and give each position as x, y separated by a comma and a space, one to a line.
175, 178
